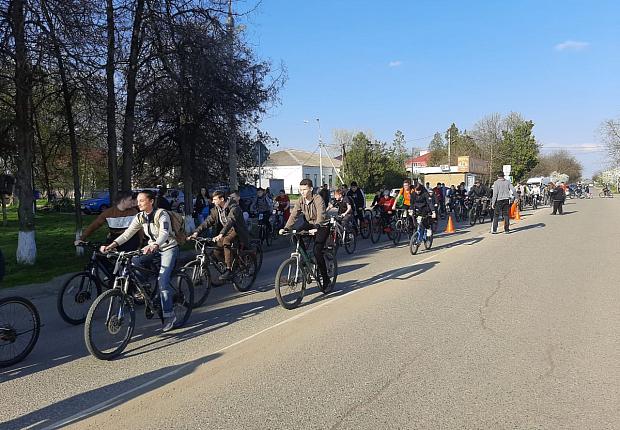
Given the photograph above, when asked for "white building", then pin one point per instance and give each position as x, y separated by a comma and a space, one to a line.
293, 165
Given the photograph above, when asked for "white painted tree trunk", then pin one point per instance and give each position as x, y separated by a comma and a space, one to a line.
79, 250
26, 248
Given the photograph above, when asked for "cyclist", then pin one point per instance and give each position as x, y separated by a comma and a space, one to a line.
403, 199
157, 227
227, 218
344, 204
424, 206
118, 217
359, 201
312, 208
284, 204
262, 205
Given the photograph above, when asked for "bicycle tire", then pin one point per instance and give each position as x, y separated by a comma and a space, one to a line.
35, 330
182, 297
89, 326
414, 244
268, 237
249, 271
332, 271
83, 296
428, 243
392, 231
201, 280
350, 242
287, 268
397, 232
472, 216
365, 228
375, 230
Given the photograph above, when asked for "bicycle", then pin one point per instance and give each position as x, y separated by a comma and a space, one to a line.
381, 224
606, 193
364, 225
244, 269
420, 237
20, 326
300, 269
460, 210
341, 234
111, 318
80, 290
477, 213
264, 233
403, 224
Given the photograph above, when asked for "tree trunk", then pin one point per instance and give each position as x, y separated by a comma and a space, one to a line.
24, 137
110, 69
75, 164
132, 93
186, 171
232, 155
44, 157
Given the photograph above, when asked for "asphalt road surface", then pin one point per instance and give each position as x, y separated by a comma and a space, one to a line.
482, 331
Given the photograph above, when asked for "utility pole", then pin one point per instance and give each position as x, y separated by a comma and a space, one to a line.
232, 121
449, 143
318, 121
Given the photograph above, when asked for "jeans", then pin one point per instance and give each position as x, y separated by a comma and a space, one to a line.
501, 208
557, 207
168, 262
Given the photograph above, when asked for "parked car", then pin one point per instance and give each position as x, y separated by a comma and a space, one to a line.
99, 202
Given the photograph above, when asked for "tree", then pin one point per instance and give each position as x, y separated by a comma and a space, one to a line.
520, 149
610, 133
560, 161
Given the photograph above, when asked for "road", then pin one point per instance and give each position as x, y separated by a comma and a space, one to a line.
482, 331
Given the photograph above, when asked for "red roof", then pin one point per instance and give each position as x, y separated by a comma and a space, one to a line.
421, 160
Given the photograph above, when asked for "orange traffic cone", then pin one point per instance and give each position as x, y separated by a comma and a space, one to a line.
450, 226
512, 210
517, 214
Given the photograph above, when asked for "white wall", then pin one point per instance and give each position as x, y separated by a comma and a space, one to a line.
314, 173
292, 175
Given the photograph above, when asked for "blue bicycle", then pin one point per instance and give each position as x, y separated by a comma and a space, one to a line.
420, 237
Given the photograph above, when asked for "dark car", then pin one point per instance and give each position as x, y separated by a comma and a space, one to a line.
99, 202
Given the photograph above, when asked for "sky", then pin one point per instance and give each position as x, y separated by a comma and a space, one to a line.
419, 65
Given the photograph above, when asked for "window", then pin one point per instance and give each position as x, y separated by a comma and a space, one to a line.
307, 175
330, 181
315, 183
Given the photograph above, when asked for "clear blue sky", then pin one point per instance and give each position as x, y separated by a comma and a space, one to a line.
419, 65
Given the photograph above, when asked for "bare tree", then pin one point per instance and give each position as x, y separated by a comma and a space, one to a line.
610, 133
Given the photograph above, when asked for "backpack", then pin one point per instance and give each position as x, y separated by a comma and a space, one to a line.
177, 223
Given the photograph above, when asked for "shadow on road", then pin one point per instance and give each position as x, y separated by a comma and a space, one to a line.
470, 241
84, 405
528, 227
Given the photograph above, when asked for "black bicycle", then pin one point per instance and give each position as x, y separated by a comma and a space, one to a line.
80, 290
301, 269
382, 223
111, 318
341, 233
19, 329
244, 269
478, 211
403, 224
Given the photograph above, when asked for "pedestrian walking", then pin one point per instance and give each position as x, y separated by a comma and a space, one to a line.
503, 192
558, 196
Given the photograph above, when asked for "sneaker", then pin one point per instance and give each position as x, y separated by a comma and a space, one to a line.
326, 285
226, 276
429, 232
169, 323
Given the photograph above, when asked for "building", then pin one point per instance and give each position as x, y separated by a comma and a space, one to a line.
293, 165
467, 170
422, 160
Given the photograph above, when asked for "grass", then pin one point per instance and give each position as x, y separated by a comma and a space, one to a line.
55, 233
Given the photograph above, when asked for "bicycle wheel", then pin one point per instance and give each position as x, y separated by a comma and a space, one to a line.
255, 245
472, 216
268, 237
245, 273
398, 231
290, 284
332, 271
19, 329
201, 279
76, 296
428, 243
109, 324
376, 227
414, 243
366, 225
350, 241
182, 297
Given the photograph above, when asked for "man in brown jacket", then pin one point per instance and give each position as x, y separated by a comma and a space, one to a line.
227, 216
312, 207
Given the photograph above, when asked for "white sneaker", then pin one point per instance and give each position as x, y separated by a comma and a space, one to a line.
169, 323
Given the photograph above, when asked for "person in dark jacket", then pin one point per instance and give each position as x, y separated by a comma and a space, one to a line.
359, 200
201, 207
424, 206
227, 217
558, 195
162, 202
